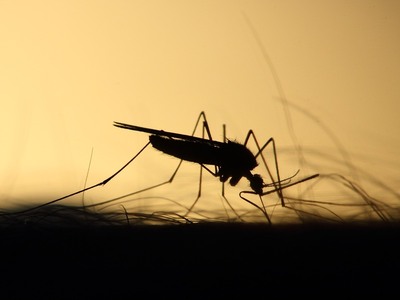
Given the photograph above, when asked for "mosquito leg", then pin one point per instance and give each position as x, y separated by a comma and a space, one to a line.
205, 130
88, 188
276, 183
223, 183
206, 133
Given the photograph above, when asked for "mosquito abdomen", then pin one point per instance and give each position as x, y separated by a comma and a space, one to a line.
234, 159
198, 152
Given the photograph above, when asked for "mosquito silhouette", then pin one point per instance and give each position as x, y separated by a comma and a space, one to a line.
231, 160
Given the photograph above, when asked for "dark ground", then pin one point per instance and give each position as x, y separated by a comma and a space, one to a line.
200, 260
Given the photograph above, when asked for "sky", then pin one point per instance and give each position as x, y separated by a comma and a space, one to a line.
320, 77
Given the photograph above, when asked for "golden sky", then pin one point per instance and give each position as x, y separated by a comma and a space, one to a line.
68, 69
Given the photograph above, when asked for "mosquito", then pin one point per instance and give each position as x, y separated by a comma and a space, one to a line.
231, 160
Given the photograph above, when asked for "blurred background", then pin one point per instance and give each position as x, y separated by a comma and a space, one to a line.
321, 77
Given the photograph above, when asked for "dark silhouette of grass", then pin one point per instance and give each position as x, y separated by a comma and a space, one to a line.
357, 207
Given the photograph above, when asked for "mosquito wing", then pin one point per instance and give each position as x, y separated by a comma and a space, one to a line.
166, 133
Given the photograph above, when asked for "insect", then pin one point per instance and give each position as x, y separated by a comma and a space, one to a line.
231, 160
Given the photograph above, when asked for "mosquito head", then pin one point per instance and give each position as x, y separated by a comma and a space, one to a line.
256, 183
